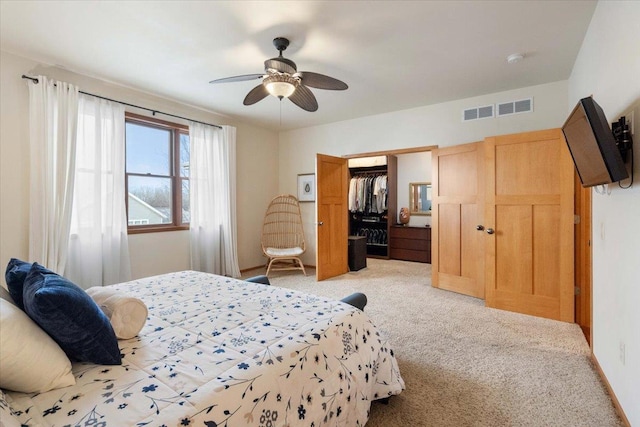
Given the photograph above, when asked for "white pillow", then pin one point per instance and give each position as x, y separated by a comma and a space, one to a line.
127, 314
5, 295
30, 361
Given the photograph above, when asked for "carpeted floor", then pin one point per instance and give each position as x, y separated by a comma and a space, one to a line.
465, 364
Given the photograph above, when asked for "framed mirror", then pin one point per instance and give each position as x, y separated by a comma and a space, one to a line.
420, 198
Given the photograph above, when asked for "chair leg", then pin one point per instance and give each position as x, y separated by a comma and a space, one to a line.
301, 266
292, 263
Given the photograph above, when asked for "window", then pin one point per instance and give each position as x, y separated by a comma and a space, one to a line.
157, 174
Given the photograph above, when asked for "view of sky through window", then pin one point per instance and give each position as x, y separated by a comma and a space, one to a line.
148, 150
150, 165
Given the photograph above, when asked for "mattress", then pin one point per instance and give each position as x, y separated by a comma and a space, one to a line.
217, 351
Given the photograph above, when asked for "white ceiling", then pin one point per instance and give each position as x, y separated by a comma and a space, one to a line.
394, 55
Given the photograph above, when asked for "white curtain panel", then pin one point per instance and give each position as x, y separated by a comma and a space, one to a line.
98, 245
213, 230
53, 115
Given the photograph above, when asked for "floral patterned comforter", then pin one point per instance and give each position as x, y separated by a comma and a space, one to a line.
217, 351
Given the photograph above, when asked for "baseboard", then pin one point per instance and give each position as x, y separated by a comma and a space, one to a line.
244, 270
614, 399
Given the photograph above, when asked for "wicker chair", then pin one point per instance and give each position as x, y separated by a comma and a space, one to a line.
282, 234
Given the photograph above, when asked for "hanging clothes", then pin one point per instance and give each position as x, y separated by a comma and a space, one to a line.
380, 191
353, 194
368, 194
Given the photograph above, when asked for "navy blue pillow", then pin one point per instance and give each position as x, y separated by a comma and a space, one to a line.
69, 315
15, 274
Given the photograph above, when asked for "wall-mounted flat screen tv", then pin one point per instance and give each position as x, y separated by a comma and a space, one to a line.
592, 145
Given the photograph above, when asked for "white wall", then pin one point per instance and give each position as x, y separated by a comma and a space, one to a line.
608, 67
151, 253
14, 160
439, 124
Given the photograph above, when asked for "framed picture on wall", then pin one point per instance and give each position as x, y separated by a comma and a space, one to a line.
307, 187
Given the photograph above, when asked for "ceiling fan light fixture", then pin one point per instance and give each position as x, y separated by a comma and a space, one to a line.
280, 85
282, 79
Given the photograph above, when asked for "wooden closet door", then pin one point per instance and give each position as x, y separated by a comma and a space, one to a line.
331, 216
529, 208
457, 252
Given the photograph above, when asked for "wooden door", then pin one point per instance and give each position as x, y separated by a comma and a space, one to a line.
457, 261
332, 212
583, 257
529, 209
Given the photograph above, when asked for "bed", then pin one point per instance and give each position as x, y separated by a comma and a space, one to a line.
217, 351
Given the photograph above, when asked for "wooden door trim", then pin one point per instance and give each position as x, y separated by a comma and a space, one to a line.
435, 256
583, 260
489, 219
567, 300
391, 152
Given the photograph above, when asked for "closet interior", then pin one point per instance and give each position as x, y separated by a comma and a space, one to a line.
373, 201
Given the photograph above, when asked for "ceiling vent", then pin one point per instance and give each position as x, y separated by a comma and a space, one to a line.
476, 113
515, 107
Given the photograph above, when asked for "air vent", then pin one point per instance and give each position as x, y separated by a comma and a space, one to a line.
515, 107
476, 113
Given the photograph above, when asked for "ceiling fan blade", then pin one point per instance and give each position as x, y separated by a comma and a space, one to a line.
280, 64
256, 94
320, 81
238, 78
304, 98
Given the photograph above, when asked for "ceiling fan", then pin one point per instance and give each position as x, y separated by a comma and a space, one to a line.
281, 78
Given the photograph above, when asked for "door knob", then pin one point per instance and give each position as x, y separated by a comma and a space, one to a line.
320, 223
479, 227
490, 231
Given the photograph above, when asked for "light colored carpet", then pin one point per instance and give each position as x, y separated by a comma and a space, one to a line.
465, 364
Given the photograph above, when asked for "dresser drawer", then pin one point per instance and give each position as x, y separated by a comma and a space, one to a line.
414, 244
410, 255
410, 243
419, 233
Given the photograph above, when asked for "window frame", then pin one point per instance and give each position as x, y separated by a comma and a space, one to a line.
177, 180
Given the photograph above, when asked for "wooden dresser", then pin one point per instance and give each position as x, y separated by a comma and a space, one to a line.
410, 243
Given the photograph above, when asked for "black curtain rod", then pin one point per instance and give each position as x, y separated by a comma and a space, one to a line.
154, 112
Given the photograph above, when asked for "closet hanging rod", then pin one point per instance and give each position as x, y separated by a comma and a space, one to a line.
356, 172
153, 112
